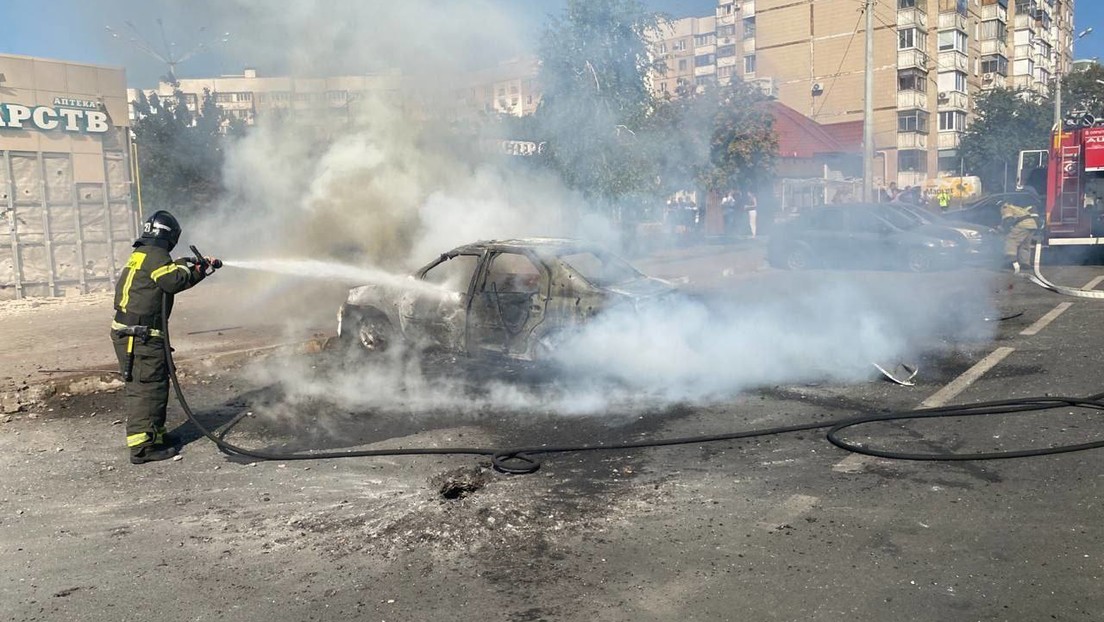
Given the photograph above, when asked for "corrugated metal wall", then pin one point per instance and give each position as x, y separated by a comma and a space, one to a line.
58, 237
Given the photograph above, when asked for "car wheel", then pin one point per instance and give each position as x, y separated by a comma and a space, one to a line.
919, 260
798, 258
368, 332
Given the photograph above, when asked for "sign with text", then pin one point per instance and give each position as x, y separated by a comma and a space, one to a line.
1093, 138
67, 115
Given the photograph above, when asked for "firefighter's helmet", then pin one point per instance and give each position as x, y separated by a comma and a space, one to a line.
161, 225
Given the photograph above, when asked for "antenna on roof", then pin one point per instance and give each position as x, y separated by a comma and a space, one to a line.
167, 53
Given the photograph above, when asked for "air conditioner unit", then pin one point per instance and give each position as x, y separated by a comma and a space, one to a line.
944, 95
987, 77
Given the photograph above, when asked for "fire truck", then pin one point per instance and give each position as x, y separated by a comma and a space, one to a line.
1071, 176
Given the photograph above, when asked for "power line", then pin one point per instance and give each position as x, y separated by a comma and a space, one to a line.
843, 58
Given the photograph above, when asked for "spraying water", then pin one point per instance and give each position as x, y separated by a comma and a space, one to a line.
333, 271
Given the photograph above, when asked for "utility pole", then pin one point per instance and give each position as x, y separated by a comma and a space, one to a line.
868, 108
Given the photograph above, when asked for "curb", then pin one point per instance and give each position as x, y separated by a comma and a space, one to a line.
30, 395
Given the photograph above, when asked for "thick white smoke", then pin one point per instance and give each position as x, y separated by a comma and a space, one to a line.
391, 189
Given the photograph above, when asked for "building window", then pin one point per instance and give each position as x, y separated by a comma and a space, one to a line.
994, 63
749, 27
704, 39
952, 121
950, 161
993, 29
952, 81
281, 96
682, 64
679, 46
912, 121
725, 51
911, 38
661, 48
725, 72
912, 80
224, 98
728, 30
705, 60
703, 80
952, 41
954, 6
912, 161
749, 64
337, 97
907, 4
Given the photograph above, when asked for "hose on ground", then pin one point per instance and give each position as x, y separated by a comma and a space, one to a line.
522, 460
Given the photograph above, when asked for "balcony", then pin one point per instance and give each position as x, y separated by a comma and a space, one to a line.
1024, 81
749, 45
994, 46
907, 59
993, 81
912, 140
949, 61
953, 100
952, 21
1022, 22
912, 100
950, 140
706, 70
994, 11
909, 18
748, 9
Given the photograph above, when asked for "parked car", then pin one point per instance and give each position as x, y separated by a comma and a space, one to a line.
986, 210
983, 244
511, 298
864, 235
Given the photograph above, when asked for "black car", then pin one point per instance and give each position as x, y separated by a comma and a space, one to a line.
986, 211
863, 235
982, 243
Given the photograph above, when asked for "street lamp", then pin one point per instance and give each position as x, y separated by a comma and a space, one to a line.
1058, 79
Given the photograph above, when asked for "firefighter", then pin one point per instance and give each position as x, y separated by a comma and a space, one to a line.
1019, 225
136, 331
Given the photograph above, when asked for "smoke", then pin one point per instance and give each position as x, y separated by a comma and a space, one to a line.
392, 182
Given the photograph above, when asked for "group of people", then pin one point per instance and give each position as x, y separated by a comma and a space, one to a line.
741, 213
916, 196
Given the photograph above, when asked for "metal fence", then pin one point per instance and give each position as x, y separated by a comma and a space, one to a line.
62, 237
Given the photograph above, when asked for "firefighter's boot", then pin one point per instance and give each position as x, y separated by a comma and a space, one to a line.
151, 453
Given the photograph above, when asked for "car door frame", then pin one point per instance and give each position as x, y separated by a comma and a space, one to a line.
442, 319
487, 335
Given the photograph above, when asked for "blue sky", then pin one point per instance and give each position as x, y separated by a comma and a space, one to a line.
75, 30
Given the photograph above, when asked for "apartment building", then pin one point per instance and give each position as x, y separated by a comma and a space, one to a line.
931, 59
65, 177
508, 88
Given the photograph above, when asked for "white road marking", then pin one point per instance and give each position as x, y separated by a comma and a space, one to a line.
1093, 283
968, 377
1046, 319
788, 511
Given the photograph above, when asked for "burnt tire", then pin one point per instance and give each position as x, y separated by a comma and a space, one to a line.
368, 331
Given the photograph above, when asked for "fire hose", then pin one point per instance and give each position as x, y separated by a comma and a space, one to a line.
1037, 278
522, 460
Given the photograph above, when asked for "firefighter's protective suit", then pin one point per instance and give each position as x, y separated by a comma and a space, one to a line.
138, 341
1019, 225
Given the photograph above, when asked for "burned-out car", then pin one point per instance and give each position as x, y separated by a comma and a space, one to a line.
512, 298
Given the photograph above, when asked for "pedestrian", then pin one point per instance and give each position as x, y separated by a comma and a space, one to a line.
143, 299
728, 211
944, 199
892, 193
1019, 225
751, 206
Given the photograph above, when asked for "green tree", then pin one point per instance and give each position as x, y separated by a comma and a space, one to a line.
715, 138
1083, 91
180, 153
1007, 122
595, 62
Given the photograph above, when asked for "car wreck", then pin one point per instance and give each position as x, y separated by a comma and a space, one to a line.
501, 298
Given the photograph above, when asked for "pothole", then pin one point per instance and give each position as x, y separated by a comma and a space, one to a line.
460, 483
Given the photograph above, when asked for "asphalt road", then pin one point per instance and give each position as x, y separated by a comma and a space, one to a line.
776, 528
